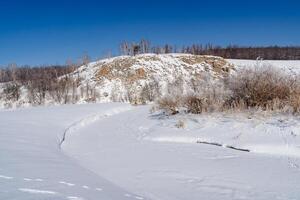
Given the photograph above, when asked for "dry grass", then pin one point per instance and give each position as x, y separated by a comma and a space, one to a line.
195, 105
219, 65
170, 104
294, 98
263, 88
116, 69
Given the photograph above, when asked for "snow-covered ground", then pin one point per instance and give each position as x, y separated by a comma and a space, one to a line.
148, 155
32, 165
118, 151
289, 66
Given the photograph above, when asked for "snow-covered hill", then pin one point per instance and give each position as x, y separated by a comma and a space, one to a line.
124, 78
136, 79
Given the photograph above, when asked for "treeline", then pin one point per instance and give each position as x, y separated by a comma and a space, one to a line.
229, 52
24, 74
54, 83
38, 82
237, 52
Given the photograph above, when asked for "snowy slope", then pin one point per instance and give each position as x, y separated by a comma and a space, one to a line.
116, 78
125, 78
147, 154
129, 78
32, 165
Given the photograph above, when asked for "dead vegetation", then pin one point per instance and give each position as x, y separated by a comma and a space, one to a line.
264, 88
40, 85
122, 68
219, 65
116, 69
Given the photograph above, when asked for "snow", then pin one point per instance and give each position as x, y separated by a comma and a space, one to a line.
118, 151
146, 154
124, 77
33, 191
32, 166
290, 66
164, 68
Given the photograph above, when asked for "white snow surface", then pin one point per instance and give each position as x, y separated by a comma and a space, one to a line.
289, 66
32, 164
148, 155
118, 151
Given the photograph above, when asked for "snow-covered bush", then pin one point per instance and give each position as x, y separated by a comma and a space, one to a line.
260, 87
11, 91
170, 104
294, 98
264, 88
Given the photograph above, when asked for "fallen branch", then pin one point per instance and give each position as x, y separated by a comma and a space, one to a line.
225, 146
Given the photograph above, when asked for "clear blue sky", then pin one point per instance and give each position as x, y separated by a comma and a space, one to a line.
52, 31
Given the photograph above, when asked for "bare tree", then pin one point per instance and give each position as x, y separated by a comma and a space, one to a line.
86, 59
125, 48
145, 46
13, 68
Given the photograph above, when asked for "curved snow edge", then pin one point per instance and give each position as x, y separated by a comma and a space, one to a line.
91, 119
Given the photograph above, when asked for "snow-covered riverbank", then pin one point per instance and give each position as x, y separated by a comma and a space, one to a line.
118, 151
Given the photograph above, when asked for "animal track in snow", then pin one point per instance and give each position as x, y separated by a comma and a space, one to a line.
30, 179
6, 177
85, 187
35, 191
66, 183
74, 198
49, 192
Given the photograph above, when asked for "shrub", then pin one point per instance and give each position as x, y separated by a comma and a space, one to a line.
11, 91
170, 104
295, 96
194, 104
263, 88
266, 88
295, 103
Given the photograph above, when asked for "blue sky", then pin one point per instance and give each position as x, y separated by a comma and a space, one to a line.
50, 32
